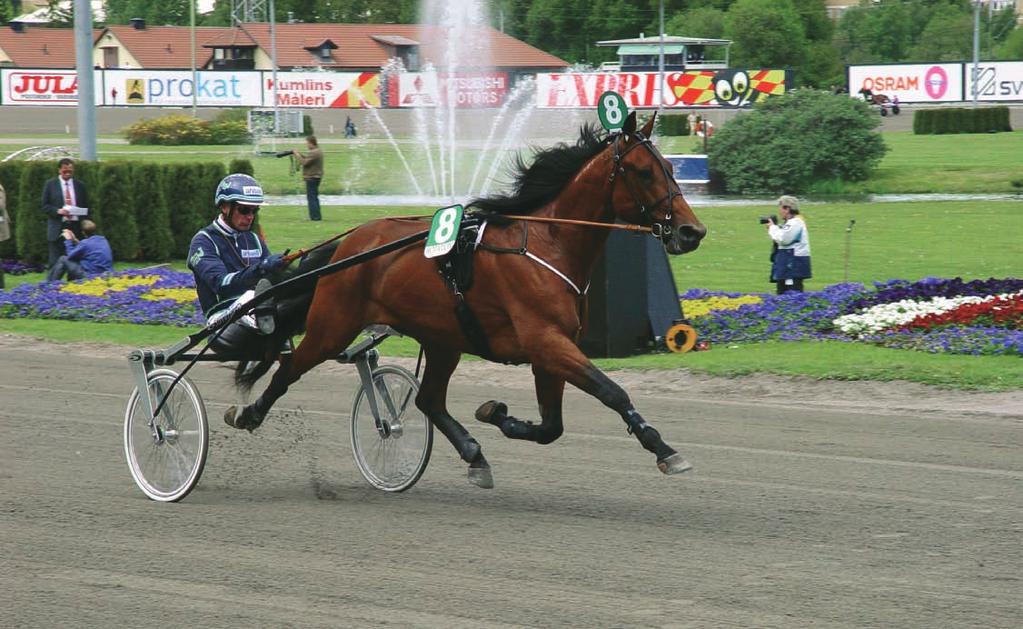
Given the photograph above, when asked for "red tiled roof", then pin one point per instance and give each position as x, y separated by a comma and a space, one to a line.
164, 47
41, 47
357, 48
231, 37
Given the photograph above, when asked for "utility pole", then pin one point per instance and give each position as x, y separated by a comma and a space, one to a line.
195, 82
660, 65
86, 80
976, 50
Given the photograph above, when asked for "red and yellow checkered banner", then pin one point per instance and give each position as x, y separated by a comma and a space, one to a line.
693, 88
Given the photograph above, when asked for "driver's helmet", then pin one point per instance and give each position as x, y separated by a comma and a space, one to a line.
240, 188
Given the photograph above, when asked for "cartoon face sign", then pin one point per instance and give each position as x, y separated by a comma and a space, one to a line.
732, 88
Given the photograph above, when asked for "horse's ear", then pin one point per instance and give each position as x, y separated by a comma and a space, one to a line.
648, 128
630, 124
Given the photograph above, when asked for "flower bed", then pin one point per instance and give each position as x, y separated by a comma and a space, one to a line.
16, 267
148, 296
934, 315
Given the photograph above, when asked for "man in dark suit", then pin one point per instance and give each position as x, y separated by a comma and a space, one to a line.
60, 195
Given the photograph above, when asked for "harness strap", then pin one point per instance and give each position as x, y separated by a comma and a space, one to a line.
523, 250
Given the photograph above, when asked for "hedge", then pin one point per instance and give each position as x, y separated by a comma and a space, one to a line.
673, 124
961, 120
146, 210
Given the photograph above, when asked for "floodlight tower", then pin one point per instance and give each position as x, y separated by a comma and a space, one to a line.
261, 11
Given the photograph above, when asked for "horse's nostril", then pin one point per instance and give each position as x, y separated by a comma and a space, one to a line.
691, 232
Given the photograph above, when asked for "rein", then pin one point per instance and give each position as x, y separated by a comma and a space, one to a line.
544, 219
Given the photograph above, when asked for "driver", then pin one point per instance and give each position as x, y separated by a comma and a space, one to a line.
228, 259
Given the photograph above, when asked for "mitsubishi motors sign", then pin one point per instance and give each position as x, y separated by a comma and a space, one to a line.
466, 89
911, 83
40, 87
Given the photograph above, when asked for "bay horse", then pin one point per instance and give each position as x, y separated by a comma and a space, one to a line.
529, 282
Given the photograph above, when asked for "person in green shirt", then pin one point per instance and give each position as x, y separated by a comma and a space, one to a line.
312, 172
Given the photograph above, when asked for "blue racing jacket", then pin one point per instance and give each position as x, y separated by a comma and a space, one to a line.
225, 263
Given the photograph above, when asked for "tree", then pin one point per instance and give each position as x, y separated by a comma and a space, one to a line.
766, 34
1012, 47
947, 36
707, 22
59, 14
167, 12
790, 142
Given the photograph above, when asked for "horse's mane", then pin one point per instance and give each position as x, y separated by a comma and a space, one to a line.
542, 181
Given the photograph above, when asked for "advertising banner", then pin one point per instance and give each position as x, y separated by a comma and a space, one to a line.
691, 88
468, 89
42, 87
174, 88
998, 81
323, 89
911, 83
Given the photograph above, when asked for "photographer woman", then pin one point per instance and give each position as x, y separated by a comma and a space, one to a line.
790, 260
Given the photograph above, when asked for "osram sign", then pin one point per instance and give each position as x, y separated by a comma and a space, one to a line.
997, 81
41, 87
911, 83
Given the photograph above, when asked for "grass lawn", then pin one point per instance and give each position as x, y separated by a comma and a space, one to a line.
972, 239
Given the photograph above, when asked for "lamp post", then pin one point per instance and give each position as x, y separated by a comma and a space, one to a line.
84, 67
976, 49
195, 82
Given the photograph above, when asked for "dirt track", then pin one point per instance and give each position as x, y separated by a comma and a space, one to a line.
844, 505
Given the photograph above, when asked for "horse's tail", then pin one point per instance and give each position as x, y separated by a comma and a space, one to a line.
292, 307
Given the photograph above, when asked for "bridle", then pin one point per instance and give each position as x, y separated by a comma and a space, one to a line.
661, 229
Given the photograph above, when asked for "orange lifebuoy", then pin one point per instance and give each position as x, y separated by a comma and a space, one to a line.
680, 338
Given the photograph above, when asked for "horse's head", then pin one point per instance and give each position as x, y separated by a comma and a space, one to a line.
644, 191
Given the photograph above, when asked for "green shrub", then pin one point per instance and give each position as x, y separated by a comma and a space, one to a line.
673, 124
787, 143
151, 214
229, 132
190, 189
961, 120
172, 130
307, 125
115, 204
10, 179
241, 165
30, 221
178, 129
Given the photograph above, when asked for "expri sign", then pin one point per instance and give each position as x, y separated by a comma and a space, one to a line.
612, 111
443, 231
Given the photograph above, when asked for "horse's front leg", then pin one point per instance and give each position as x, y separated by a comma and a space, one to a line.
550, 391
432, 401
560, 357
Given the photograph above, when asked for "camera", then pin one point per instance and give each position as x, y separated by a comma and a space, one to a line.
764, 220
282, 154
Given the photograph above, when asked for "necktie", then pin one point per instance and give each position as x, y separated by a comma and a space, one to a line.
67, 192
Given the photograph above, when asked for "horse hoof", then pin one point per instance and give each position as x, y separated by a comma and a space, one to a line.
243, 421
490, 412
674, 464
481, 477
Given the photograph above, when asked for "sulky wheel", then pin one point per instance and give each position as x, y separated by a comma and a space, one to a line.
391, 453
680, 338
166, 458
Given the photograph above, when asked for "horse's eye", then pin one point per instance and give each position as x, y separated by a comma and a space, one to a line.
645, 173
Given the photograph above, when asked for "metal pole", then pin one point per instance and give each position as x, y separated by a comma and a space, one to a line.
976, 49
273, 54
195, 78
848, 243
86, 80
660, 66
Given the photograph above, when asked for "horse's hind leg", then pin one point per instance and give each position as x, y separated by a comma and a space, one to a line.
563, 359
432, 401
316, 347
550, 391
